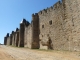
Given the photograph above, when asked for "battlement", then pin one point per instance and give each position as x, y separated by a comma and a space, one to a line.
23, 21
12, 32
52, 8
35, 17
28, 27
27, 23
50, 28
36, 14
17, 29
57, 4
7, 35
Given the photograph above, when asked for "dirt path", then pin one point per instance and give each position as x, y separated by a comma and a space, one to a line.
13, 53
4, 55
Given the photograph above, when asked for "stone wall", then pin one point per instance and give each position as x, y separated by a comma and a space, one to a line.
23, 24
51, 26
17, 37
8, 40
60, 23
5, 40
72, 22
32, 33
28, 36
21, 35
13, 38
35, 31
54, 28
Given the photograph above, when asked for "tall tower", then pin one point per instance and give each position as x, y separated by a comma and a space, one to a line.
13, 38
17, 37
10, 39
35, 31
7, 42
22, 31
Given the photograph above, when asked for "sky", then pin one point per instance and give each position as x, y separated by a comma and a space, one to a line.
13, 11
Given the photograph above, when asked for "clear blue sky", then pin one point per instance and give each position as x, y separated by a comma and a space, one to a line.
13, 11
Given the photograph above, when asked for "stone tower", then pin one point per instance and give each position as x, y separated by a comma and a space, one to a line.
35, 31
17, 37
10, 39
13, 38
5, 40
22, 30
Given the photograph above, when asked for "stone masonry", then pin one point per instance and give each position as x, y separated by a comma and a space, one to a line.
57, 28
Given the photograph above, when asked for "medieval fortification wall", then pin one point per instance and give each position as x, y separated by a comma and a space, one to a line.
57, 28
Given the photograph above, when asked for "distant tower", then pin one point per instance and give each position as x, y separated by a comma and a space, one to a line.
10, 39
13, 38
17, 37
7, 42
21, 31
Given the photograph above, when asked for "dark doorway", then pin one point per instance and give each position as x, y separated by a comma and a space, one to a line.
49, 43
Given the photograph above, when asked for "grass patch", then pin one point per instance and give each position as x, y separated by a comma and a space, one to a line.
15, 46
43, 50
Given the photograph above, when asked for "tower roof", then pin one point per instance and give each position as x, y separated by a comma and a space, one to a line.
23, 20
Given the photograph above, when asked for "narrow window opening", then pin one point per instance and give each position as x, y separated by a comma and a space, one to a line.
42, 26
50, 22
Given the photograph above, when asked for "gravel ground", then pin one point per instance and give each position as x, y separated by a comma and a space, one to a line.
15, 53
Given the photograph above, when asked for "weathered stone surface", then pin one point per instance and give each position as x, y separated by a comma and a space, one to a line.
17, 37
21, 35
51, 25
5, 40
61, 23
22, 32
28, 36
35, 31
57, 27
8, 40
13, 38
